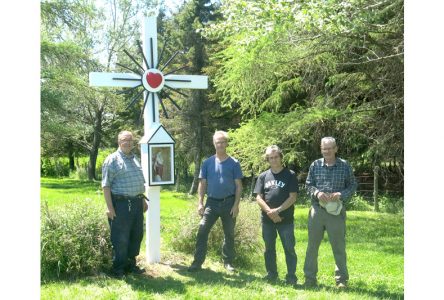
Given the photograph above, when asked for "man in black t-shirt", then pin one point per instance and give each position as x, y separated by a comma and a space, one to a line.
276, 190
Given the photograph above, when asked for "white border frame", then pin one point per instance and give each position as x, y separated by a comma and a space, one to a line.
151, 182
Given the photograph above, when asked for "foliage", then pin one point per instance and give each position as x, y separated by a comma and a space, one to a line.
283, 57
74, 240
358, 203
246, 234
391, 204
59, 166
79, 37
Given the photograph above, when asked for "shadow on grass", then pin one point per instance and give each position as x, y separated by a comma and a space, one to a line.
143, 283
156, 284
382, 292
237, 279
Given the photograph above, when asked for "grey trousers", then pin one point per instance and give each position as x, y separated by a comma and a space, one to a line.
320, 220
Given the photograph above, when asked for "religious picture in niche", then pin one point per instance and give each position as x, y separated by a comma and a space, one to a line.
161, 169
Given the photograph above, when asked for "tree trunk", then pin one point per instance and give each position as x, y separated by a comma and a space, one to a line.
197, 107
176, 188
72, 166
195, 183
97, 139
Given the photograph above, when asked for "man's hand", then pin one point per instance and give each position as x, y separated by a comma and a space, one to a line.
145, 205
324, 196
335, 196
110, 213
234, 211
273, 214
200, 209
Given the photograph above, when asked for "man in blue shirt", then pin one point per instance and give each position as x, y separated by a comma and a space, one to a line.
276, 191
221, 179
330, 182
123, 188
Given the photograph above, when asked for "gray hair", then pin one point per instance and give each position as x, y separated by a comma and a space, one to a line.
328, 140
271, 149
220, 133
122, 133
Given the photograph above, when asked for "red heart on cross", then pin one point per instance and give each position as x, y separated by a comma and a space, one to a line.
154, 79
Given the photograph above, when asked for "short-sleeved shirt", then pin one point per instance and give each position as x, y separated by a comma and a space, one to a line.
123, 174
276, 188
220, 176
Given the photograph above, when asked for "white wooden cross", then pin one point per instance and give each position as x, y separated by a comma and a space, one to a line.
153, 80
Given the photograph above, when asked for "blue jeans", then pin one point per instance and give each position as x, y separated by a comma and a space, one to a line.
286, 233
126, 233
213, 210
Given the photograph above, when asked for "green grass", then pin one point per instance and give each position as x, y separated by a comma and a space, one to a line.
375, 248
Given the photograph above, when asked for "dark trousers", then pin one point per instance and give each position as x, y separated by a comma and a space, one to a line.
213, 210
286, 233
126, 232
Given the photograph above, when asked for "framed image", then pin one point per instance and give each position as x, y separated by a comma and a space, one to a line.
161, 164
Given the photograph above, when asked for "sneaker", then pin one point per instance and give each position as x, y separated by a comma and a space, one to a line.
311, 283
270, 278
229, 267
194, 268
136, 270
341, 285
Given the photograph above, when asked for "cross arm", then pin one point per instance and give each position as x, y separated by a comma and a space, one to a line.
114, 79
187, 81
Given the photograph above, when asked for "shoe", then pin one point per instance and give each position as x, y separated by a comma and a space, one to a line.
229, 268
136, 270
270, 278
341, 285
311, 283
194, 268
291, 281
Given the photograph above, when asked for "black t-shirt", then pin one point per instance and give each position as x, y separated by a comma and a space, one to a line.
276, 188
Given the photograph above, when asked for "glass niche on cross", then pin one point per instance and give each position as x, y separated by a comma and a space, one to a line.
160, 147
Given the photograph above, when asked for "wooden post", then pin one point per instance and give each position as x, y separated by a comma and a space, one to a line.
375, 188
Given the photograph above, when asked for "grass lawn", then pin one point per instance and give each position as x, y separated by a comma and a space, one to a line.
375, 248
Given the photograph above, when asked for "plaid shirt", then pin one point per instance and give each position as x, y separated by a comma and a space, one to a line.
123, 173
330, 179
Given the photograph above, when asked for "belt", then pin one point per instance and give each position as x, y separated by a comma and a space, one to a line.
222, 199
125, 197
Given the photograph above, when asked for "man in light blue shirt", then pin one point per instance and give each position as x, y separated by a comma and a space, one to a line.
221, 179
123, 188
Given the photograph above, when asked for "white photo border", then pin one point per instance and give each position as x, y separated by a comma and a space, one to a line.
151, 149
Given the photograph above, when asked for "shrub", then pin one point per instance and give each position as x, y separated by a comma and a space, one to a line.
391, 204
54, 167
246, 234
357, 202
81, 173
74, 241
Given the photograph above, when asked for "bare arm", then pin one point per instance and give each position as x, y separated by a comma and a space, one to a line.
287, 203
235, 209
202, 188
109, 203
274, 217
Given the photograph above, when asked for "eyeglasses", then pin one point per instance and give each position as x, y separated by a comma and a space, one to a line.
126, 141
